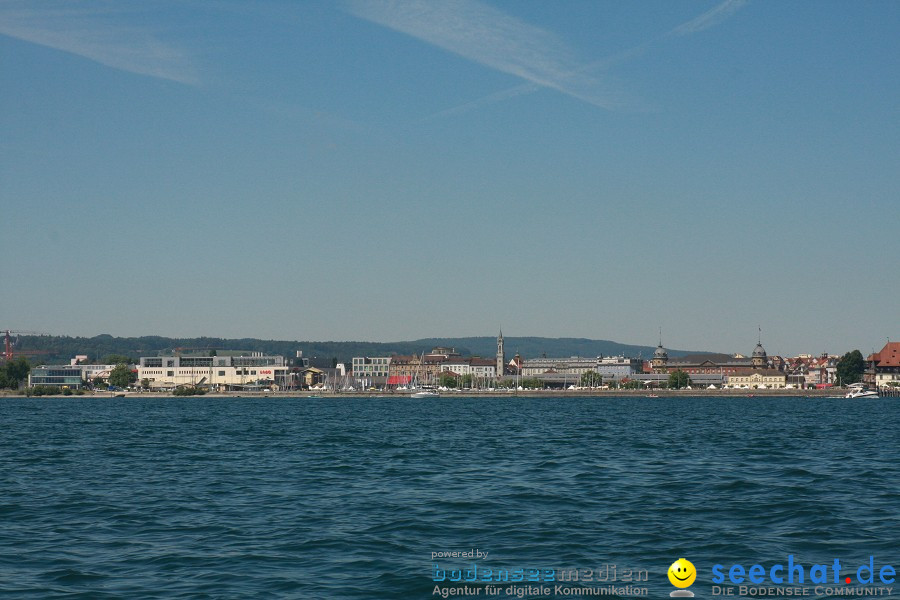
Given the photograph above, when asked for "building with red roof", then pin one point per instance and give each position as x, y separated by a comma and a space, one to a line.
884, 366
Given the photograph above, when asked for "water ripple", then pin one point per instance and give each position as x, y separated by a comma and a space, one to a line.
348, 498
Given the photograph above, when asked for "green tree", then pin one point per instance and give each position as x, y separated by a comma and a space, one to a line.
18, 369
145, 383
447, 380
851, 367
591, 379
678, 379
122, 376
188, 390
14, 372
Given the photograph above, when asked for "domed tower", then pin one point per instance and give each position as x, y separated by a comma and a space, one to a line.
759, 360
660, 357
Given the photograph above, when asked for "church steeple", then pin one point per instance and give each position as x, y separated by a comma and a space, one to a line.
501, 355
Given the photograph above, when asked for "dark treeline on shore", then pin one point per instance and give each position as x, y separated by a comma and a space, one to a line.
56, 349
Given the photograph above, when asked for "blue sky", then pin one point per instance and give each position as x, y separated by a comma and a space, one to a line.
369, 170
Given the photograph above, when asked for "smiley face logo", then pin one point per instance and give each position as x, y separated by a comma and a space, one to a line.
682, 573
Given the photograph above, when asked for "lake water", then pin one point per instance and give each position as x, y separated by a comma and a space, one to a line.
350, 498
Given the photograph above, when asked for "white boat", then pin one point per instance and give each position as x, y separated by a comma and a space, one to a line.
858, 390
422, 391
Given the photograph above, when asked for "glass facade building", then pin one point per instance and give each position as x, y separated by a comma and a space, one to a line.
59, 376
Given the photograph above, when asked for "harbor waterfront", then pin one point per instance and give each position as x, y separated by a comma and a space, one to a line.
365, 497
834, 393
187, 372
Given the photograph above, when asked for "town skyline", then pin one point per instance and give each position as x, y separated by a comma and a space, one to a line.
400, 170
198, 370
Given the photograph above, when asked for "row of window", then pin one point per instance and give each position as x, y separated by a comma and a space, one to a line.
186, 372
158, 362
58, 372
254, 361
196, 361
204, 361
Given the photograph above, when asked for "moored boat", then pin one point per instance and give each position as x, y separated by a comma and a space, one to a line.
859, 390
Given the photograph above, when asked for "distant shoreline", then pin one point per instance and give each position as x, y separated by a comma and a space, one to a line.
827, 393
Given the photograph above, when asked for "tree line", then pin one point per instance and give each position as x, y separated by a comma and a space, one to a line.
62, 348
13, 373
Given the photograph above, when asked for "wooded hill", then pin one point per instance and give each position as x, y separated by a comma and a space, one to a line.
60, 349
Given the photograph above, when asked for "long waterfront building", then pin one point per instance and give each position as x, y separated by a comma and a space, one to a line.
609, 367
215, 372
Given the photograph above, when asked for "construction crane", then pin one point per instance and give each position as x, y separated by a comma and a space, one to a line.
8, 352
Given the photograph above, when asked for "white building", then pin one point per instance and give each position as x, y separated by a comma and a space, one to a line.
368, 367
92, 372
757, 379
370, 371
575, 365
619, 367
215, 372
610, 367
479, 368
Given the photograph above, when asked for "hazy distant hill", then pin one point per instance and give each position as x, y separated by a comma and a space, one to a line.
62, 348
533, 347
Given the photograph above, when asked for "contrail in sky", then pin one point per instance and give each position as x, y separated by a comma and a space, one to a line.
491, 38
710, 18
494, 39
93, 31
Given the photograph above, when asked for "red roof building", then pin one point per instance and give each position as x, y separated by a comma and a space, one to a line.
884, 366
